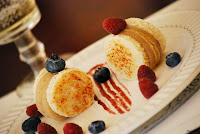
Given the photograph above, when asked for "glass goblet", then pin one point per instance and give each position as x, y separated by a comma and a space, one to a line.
17, 18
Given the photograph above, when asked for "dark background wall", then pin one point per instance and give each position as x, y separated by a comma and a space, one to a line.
69, 26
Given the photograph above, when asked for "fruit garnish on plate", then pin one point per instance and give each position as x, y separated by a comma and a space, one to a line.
147, 87
31, 124
44, 128
54, 64
72, 128
146, 72
97, 127
101, 75
33, 111
114, 25
173, 59
146, 78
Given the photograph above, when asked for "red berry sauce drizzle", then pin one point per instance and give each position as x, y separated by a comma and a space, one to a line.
113, 93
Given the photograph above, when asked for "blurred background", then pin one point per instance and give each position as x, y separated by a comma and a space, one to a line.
69, 26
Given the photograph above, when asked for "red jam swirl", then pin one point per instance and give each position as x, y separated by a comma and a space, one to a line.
103, 105
112, 93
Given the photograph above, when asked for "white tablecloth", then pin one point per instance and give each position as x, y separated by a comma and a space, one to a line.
187, 117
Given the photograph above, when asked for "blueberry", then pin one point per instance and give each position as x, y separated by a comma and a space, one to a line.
54, 64
102, 75
30, 125
173, 59
96, 127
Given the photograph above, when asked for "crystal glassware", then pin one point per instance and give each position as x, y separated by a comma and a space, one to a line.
17, 18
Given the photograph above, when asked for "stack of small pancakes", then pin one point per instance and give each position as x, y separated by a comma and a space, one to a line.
140, 43
63, 94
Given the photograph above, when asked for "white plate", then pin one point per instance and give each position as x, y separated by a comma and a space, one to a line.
182, 32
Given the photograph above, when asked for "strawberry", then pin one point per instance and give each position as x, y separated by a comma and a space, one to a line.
147, 87
44, 128
71, 128
114, 25
146, 72
33, 111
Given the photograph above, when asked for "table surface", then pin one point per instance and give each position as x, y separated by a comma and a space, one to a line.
186, 118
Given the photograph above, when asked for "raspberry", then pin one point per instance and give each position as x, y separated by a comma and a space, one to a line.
33, 111
44, 128
147, 87
146, 72
114, 25
71, 128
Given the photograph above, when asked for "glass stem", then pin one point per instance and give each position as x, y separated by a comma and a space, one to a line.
31, 51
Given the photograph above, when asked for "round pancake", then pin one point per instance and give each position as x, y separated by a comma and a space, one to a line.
124, 57
37, 90
70, 92
41, 85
